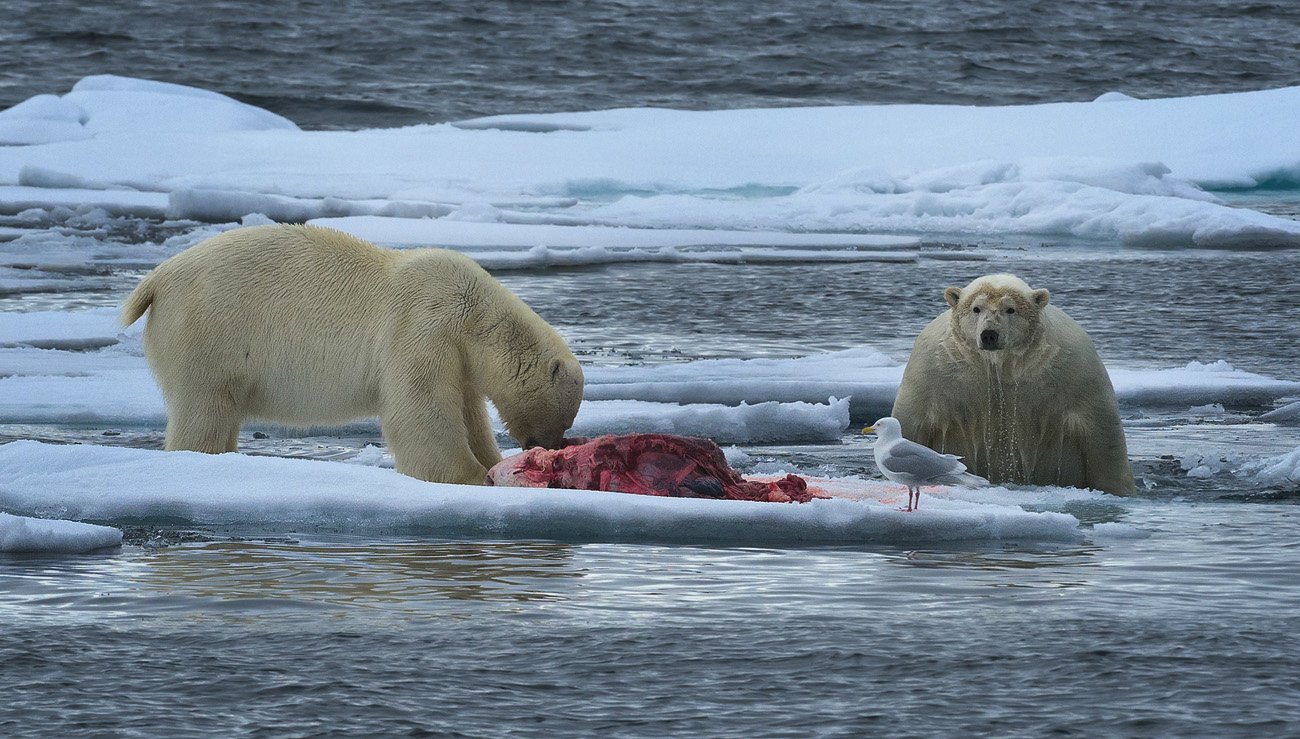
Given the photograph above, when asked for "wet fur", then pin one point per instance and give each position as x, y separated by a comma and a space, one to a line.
1041, 410
311, 326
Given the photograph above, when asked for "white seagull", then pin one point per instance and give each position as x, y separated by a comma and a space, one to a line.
914, 464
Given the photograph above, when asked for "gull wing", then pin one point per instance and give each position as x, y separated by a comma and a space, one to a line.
922, 462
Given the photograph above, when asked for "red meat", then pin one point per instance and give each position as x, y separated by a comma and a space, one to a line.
644, 464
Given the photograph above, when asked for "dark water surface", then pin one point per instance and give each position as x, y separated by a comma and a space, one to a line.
1143, 310
366, 638
356, 63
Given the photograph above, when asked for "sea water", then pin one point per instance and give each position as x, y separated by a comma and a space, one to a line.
1180, 622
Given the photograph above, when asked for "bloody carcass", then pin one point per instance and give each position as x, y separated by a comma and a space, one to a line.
645, 464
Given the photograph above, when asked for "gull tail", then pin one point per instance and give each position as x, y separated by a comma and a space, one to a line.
966, 480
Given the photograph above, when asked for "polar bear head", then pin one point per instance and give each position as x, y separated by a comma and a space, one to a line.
996, 312
546, 403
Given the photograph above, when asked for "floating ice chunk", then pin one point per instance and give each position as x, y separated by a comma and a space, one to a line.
113, 201
371, 456
23, 534
1198, 383
225, 205
1198, 465
1289, 413
1283, 469
75, 330
761, 423
867, 376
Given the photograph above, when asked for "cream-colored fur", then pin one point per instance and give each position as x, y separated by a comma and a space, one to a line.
1032, 403
311, 326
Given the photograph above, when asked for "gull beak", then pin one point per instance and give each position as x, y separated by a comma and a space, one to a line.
869, 430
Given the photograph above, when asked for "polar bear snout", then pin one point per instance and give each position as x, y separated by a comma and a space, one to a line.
550, 441
989, 339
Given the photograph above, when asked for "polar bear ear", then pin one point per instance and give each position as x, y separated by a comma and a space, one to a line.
953, 296
1040, 297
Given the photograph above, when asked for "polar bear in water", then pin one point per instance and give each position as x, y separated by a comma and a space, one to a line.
1015, 387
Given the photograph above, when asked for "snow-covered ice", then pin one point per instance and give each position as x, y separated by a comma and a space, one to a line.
1126, 170
232, 490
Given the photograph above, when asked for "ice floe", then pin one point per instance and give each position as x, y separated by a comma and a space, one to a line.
269, 494
1131, 171
54, 536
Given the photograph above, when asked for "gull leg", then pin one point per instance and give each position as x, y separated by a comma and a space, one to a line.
909, 507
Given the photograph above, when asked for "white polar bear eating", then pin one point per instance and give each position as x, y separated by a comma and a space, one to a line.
1015, 387
309, 326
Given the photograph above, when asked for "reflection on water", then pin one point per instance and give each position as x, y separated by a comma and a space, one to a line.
401, 575
1010, 557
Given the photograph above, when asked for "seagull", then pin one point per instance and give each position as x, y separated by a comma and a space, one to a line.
915, 465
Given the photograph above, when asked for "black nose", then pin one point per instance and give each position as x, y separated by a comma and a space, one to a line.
988, 338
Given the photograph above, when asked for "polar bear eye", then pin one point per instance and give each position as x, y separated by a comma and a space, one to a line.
1010, 311
975, 310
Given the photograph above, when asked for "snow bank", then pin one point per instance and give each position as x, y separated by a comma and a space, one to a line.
269, 494
1117, 170
23, 534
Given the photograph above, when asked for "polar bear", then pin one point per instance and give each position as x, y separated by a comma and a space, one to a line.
1015, 387
310, 326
